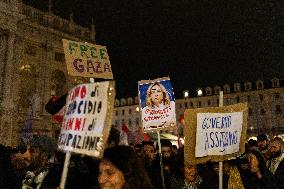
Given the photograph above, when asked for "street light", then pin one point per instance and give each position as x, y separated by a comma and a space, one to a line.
185, 94
199, 92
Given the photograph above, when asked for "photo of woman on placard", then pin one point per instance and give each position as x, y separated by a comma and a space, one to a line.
157, 104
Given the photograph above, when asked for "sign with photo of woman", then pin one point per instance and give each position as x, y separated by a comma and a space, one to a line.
157, 103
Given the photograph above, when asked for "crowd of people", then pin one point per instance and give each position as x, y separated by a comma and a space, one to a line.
138, 166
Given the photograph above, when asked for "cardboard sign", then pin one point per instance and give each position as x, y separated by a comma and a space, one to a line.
157, 104
87, 60
215, 133
87, 119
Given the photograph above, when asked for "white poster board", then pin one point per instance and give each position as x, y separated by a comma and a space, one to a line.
218, 133
85, 126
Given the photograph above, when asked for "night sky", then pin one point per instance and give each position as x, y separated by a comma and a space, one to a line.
196, 43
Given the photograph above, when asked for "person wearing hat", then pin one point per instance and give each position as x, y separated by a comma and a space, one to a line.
263, 145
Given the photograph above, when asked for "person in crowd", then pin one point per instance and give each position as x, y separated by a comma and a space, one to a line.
37, 168
263, 144
168, 161
276, 162
257, 175
148, 151
114, 137
138, 149
252, 145
174, 150
121, 168
189, 177
8, 178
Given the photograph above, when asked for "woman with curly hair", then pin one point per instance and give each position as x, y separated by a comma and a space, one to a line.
121, 168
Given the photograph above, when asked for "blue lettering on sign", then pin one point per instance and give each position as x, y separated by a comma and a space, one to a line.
206, 142
220, 122
220, 140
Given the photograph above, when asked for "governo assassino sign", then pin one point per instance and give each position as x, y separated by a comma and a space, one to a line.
215, 133
87, 60
87, 121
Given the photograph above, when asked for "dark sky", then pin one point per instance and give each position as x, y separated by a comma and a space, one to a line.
197, 43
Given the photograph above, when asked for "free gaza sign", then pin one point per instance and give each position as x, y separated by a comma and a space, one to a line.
87, 60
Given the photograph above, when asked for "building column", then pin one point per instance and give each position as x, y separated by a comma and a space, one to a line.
8, 106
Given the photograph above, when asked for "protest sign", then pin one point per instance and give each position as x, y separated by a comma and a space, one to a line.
157, 104
215, 133
87, 119
87, 60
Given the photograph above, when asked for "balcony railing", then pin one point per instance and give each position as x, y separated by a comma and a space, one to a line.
52, 21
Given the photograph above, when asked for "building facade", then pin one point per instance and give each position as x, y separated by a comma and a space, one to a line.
265, 101
32, 67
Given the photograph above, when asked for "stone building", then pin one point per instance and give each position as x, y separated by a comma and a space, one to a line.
32, 67
265, 101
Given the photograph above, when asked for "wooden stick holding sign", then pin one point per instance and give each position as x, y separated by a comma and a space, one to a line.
65, 170
221, 162
87, 121
161, 160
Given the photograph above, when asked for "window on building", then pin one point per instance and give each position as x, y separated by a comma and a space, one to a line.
185, 105
259, 85
59, 57
250, 111
122, 112
248, 98
137, 121
217, 90
129, 111
218, 102
199, 103
247, 86
262, 111
116, 123
260, 97
130, 123
238, 99
227, 101
116, 112
237, 87
209, 102
191, 104
275, 82
278, 109
30, 50
276, 95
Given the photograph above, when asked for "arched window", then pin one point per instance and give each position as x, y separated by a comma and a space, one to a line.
27, 87
58, 83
